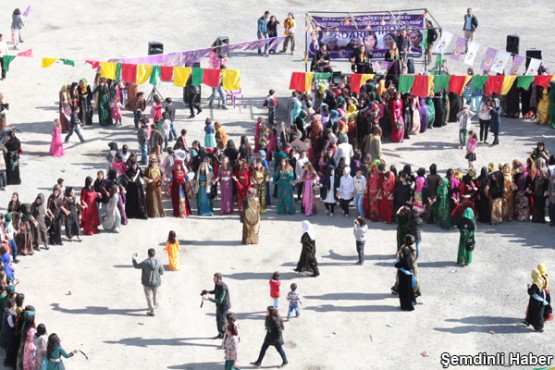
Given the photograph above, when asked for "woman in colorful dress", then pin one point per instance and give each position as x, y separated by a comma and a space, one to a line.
29, 347
226, 186
181, 188
397, 122
258, 180
310, 179
56, 146
209, 134
202, 190
242, 182
172, 248
153, 178
443, 210
89, 215
251, 218
418, 203
156, 110
55, 352
374, 185
283, 179
508, 197
221, 136
135, 205
467, 228
523, 183
258, 131
386, 198
24, 237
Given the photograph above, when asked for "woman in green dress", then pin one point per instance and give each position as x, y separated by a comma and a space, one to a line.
467, 228
104, 113
54, 353
202, 190
283, 178
443, 211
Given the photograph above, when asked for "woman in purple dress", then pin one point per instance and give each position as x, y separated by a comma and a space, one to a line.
226, 186
309, 178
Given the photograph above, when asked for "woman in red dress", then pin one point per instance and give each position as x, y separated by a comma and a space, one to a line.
316, 135
242, 182
89, 213
181, 187
386, 201
397, 121
375, 180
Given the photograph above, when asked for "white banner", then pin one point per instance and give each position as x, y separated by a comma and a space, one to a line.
500, 61
532, 69
443, 42
471, 53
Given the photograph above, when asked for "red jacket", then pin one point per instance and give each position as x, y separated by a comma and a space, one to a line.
275, 286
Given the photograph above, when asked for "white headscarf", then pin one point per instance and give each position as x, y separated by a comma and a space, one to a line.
307, 228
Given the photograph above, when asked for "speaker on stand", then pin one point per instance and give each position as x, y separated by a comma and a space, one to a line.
513, 42
155, 48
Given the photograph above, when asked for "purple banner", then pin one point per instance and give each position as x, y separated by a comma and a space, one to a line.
460, 45
518, 61
487, 61
377, 32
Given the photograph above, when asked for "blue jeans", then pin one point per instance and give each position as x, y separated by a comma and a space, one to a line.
143, 148
220, 320
13, 249
358, 202
260, 36
279, 348
173, 134
271, 116
295, 308
276, 303
220, 91
3, 178
137, 115
77, 130
417, 249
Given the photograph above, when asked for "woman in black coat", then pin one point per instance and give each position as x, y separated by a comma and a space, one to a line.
537, 302
274, 336
407, 280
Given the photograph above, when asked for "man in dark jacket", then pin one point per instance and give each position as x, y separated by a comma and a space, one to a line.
469, 26
222, 301
75, 125
152, 270
431, 40
192, 97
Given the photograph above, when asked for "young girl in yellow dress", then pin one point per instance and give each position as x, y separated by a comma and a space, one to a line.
172, 247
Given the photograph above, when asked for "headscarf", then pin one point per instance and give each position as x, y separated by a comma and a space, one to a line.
537, 279
7, 219
443, 188
307, 228
543, 272
420, 183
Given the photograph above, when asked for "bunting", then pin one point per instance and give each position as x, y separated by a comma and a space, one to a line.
422, 85
166, 73
7, 60
301, 81
68, 62
197, 76
181, 75
493, 85
508, 82
231, 80
129, 73
524, 82
211, 77
26, 53
542, 81
47, 62
458, 83
108, 70
405, 83
143, 73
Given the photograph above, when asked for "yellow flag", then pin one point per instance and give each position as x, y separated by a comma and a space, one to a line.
108, 70
308, 80
47, 62
365, 77
508, 82
181, 75
143, 73
231, 79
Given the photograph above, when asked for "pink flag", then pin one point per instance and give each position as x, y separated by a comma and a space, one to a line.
460, 45
27, 11
26, 53
93, 63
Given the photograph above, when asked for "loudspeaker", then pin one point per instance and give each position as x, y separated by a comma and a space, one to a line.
532, 53
336, 78
155, 47
221, 40
512, 44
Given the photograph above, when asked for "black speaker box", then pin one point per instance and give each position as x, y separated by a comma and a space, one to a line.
532, 53
155, 47
512, 44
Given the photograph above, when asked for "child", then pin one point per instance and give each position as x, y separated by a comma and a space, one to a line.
116, 110
471, 148
166, 128
170, 110
271, 103
156, 109
294, 299
125, 153
172, 247
275, 287
359, 231
10, 233
464, 117
231, 346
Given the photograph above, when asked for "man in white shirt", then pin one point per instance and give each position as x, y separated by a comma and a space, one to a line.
299, 170
360, 190
344, 149
346, 191
3, 52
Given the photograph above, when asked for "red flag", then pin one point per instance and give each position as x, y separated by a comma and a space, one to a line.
457, 84
129, 73
166, 73
542, 81
93, 63
211, 77
26, 53
493, 85
422, 85
298, 81
355, 82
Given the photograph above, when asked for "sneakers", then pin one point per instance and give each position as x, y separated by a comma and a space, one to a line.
256, 363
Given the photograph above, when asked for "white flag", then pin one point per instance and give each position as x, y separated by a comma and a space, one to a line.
443, 42
473, 48
533, 67
500, 61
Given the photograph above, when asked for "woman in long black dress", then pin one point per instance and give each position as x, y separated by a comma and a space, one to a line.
540, 187
11, 156
407, 280
481, 197
135, 206
537, 302
70, 207
54, 207
307, 261
85, 98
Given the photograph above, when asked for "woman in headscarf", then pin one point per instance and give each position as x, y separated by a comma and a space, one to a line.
508, 197
89, 215
65, 108
300, 123
407, 280
226, 186
181, 188
481, 201
259, 178
523, 183
315, 135
135, 205
55, 209
12, 147
85, 98
242, 181
543, 108
109, 183
202, 190
251, 218
70, 207
13, 207
221, 136
38, 214
104, 113
397, 121
467, 242
387, 196
153, 178
402, 218
423, 113
496, 193
548, 310
309, 179
283, 179
110, 216
24, 236
537, 302
307, 261
540, 187
442, 204
374, 185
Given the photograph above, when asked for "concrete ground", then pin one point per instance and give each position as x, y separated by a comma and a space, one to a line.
89, 294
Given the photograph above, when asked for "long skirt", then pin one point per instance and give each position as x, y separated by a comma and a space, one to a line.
522, 206
497, 211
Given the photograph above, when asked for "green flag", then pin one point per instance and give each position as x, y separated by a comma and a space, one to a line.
197, 76
478, 82
68, 62
155, 76
524, 81
405, 83
7, 60
441, 82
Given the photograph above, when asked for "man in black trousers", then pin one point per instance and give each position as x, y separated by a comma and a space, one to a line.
222, 301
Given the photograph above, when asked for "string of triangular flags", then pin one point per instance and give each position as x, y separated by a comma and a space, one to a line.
423, 85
